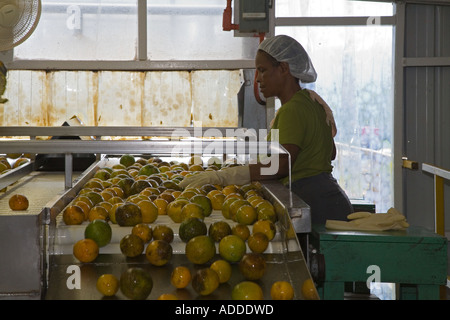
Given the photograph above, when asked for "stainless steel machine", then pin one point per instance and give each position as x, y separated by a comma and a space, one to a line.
37, 262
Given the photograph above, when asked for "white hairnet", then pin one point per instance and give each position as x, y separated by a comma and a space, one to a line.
286, 49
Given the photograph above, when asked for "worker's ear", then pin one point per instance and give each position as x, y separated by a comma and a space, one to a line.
284, 67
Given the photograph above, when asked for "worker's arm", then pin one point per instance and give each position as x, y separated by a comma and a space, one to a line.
281, 165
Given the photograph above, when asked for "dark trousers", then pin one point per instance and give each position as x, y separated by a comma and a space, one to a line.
325, 197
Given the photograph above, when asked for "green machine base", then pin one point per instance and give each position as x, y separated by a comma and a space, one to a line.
415, 259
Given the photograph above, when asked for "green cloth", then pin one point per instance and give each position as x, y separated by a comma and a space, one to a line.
301, 121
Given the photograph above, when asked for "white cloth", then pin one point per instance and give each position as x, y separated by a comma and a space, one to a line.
366, 221
238, 175
286, 49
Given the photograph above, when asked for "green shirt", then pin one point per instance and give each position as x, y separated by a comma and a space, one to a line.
301, 121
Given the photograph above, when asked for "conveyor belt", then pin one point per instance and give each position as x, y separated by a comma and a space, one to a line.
38, 187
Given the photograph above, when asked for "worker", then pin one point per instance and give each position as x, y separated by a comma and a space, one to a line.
303, 125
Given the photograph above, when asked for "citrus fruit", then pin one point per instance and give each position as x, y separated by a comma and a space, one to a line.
241, 230
163, 232
191, 227
161, 204
143, 231
167, 296
229, 189
258, 242
252, 266
247, 290
149, 211
204, 202
136, 283
223, 270
265, 226
85, 250
167, 195
73, 215
102, 174
205, 281
128, 214
125, 184
200, 249
131, 245
100, 231
206, 188
191, 210
112, 212
158, 252
232, 248
107, 284
226, 207
148, 169
127, 160
266, 214
234, 207
94, 196
84, 206
174, 209
180, 277
98, 212
138, 186
246, 214
282, 290
218, 230
18, 202
309, 291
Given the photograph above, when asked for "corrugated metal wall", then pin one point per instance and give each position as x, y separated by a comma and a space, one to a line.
426, 108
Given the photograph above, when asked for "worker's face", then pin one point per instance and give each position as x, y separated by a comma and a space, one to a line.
269, 75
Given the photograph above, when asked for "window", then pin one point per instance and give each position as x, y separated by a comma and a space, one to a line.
354, 64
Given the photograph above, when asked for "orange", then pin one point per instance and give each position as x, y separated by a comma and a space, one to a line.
219, 229
192, 210
131, 245
84, 206
163, 232
106, 205
167, 196
247, 290
232, 248
73, 215
252, 266
158, 252
115, 200
161, 204
205, 281
174, 209
246, 214
258, 242
233, 195
167, 296
85, 250
107, 284
200, 249
241, 230
229, 189
204, 202
267, 214
255, 200
223, 270
143, 231
265, 226
235, 206
98, 212
100, 231
106, 195
180, 277
196, 167
149, 211
226, 207
18, 202
265, 204
112, 212
212, 193
309, 291
282, 290
118, 191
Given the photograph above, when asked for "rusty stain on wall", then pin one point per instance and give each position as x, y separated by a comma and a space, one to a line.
121, 98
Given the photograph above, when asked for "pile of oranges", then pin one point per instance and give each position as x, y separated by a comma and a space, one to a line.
244, 234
